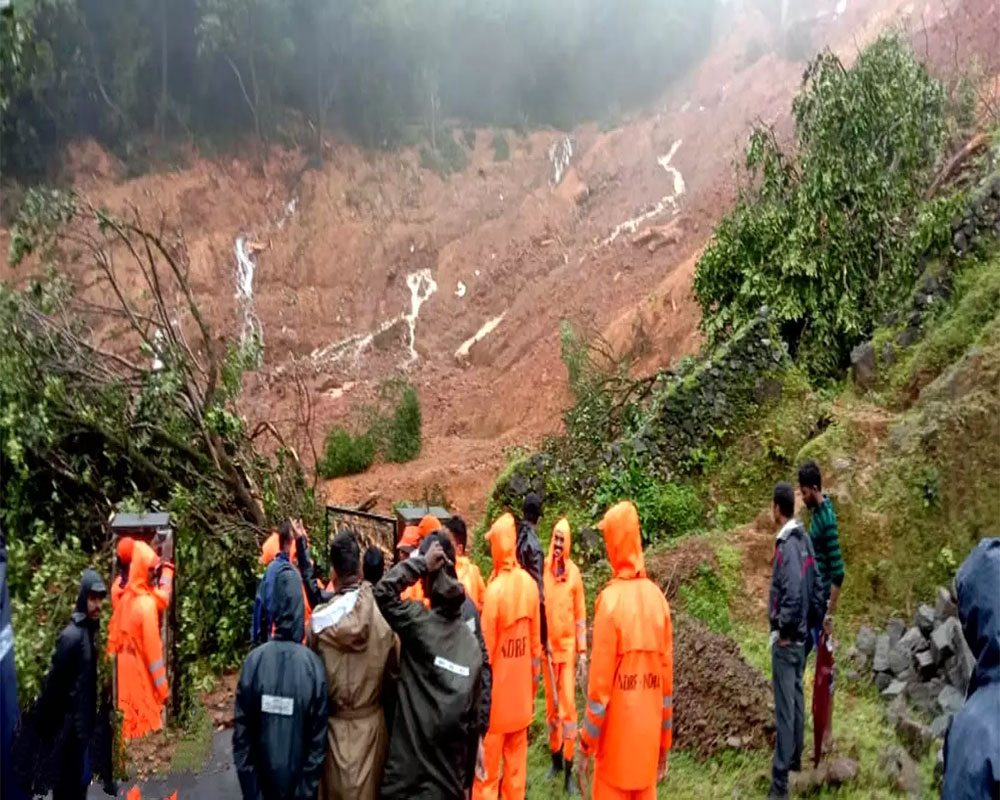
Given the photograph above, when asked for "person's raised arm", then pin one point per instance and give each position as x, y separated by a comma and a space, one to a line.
401, 615
314, 592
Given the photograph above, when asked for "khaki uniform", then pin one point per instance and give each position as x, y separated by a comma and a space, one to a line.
359, 655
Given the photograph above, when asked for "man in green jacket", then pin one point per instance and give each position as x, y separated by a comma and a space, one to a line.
826, 542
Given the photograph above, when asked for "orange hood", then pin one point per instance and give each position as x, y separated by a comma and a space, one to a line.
143, 560
269, 549
621, 535
563, 527
428, 525
502, 537
410, 537
124, 549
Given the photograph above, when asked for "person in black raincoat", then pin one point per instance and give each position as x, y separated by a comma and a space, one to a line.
279, 730
435, 744
972, 746
531, 557
64, 741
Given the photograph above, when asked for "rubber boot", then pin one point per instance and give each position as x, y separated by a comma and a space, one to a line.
569, 785
557, 765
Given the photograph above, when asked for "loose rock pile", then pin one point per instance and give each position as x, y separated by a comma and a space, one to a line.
923, 671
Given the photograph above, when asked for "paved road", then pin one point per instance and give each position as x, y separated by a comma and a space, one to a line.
216, 781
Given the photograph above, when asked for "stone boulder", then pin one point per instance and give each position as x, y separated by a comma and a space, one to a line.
895, 627
925, 619
866, 641
880, 660
946, 606
940, 725
864, 369
901, 771
913, 733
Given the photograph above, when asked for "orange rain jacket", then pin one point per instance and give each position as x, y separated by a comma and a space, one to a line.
565, 607
512, 629
630, 696
142, 675
164, 586
472, 580
411, 538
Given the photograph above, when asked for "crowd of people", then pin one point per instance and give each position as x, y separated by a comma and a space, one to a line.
420, 682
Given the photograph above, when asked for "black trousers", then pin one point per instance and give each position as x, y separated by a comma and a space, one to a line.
787, 663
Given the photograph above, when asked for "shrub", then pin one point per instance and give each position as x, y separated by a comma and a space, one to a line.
469, 137
404, 438
823, 236
666, 509
501, 148
706, 598
345, 454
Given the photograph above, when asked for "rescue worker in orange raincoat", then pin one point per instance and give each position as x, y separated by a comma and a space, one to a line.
162, 589
628, 723
408, 544
468, 573
142, 674
512, 629
566, 610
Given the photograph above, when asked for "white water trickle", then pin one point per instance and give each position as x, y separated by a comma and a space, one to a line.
664, 161
421, 286
463, 352
460, 290
158, 338
661, 205
841, 7
560, 154
245, 269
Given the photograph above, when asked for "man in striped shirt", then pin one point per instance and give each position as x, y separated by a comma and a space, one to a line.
826, 542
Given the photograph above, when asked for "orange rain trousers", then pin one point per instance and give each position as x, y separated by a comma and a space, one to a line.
562, 728
602, 790
513, 749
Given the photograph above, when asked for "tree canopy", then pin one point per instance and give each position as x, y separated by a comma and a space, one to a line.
290, 68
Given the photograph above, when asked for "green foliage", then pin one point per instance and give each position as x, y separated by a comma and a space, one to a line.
501, 148
85, 432
344, 454
705, 598
448, 159
43, 574
826, 236
666, 510
403, 438
391, 431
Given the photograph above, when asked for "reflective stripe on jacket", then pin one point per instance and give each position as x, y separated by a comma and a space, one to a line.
512, 630
628, 721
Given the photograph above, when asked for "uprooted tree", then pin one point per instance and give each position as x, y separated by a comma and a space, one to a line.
115, 392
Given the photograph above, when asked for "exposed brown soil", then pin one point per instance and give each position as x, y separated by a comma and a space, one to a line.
670, 569
720, 701
497, 238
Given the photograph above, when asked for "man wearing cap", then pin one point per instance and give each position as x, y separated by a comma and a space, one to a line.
62, 755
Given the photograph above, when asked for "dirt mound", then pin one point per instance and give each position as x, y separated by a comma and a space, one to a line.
671, 569
720, 701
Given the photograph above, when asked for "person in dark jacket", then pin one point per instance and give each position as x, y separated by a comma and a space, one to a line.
435, 746
471, 618
530, 555
279, 728
314, 591
8, 681
60, 746
793, 576
972, 746
373, 565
